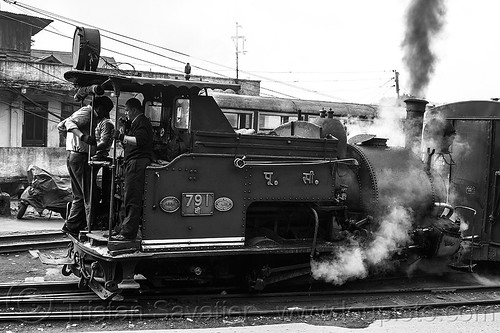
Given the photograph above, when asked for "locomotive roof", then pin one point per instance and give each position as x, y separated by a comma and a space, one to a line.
469, 110
139, 83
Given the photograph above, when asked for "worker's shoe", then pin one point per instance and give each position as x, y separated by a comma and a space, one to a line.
69, 231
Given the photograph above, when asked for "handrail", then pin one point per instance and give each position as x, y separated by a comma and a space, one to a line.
242, 162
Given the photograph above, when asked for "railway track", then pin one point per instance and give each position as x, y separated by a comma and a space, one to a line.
40, 240
73, 304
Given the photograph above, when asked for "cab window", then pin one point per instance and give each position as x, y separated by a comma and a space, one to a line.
181, 120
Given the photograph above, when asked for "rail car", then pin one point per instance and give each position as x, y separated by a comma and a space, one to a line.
263, 114
257, 209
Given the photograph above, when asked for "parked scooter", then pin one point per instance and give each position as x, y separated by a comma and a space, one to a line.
45, 191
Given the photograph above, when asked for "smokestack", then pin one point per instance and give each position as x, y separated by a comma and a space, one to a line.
415, 109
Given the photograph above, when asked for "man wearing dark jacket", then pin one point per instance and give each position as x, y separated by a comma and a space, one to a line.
138, 147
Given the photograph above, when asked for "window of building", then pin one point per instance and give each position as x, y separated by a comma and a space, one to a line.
67, 110
35, 125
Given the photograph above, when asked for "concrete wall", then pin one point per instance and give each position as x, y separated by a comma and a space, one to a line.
15, 161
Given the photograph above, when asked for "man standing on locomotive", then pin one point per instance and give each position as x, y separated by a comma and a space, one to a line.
104, 137
78, 143
138, 147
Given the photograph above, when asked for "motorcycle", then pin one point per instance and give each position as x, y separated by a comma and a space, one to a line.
45, 191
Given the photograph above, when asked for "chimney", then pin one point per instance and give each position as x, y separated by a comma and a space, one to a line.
415, 109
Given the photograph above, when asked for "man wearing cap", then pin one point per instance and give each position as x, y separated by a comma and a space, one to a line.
78, 143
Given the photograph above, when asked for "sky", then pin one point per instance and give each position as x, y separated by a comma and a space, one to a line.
330, 50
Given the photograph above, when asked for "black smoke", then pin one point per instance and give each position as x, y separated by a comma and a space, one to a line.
424, 19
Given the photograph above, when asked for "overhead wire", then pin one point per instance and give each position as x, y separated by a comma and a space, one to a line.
61, 18
20, 93
39, 69
253, 73
106, 49
30, 112
65, 20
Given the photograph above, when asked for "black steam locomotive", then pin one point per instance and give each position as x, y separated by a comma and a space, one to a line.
261, 208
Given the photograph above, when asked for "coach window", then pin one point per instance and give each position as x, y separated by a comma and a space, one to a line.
269, 122
239, 120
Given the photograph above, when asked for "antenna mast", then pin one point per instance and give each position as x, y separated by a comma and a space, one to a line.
236, 40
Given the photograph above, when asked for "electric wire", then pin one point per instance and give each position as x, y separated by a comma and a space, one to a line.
65, 20
16, 91
261, 77
60, 18
39, 69
28, 111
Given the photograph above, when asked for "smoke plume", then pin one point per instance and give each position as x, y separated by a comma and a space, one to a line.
424, 19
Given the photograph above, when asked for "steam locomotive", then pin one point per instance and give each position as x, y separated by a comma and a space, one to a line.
259, 208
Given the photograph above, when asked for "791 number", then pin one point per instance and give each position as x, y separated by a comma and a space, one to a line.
197, 204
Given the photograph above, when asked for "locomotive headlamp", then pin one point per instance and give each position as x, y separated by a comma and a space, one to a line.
86, 49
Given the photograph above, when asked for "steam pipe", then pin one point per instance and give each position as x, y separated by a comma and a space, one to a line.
450, 208
85, 91
92, 176
316, 227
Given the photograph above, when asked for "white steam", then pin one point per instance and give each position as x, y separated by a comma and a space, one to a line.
492, 281
349, 263
388, 124
392, 234
355, 259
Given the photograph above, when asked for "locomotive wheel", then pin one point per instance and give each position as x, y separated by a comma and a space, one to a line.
22, 210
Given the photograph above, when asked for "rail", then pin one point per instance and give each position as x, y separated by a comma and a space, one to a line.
41, 240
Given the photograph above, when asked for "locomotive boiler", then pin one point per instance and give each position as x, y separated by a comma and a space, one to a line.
257, 208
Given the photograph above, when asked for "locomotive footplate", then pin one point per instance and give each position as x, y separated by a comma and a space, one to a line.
290, 247
97, 238
100, 238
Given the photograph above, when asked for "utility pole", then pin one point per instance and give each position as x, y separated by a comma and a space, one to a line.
396, 79
236, 40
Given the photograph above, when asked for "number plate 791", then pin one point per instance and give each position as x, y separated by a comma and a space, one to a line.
197, 204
